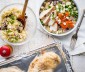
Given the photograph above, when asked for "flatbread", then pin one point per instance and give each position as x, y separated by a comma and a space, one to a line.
11, 69
46, 62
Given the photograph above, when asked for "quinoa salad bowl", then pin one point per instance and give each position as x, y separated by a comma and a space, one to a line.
59, 17
11, 29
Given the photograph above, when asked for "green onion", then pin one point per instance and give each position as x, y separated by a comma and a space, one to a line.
49, 6
12, 17
41, 22
12, 21
8, 31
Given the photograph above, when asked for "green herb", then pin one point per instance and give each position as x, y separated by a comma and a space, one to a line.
12, 17
64, 0
8, 31
49, 6
16, 38
12, 21
75, 14
53, 16
59, 5
66, 6
41, 22
13, 39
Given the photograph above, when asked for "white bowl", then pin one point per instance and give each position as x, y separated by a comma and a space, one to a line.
70, 31
30, 24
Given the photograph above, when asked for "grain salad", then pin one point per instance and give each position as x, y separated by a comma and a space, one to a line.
12, 29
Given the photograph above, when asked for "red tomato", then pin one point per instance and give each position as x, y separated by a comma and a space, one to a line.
63, 19
70, 24
67, 13
64, 26
60, 15
0, 51
6, 50
65, 23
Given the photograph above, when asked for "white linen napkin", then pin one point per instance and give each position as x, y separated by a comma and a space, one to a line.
80, 47
79, 50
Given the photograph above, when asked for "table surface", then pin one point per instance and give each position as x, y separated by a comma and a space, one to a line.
41, 39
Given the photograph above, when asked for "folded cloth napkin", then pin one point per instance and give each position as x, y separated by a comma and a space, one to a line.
79, 50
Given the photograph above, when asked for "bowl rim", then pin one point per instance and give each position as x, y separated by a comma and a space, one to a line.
23, 42
70, 31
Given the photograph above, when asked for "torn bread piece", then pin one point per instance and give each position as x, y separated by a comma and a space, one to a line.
46, 62
46, 12
49, 70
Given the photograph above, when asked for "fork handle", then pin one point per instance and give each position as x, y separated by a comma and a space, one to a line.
80, 22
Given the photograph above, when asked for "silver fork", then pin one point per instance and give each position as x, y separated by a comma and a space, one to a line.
75, 36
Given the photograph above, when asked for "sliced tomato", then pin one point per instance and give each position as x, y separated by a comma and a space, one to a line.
70, 24
63, 19
63, 26
67, 13
60, 15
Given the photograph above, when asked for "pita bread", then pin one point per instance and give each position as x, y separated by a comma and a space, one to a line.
46, 62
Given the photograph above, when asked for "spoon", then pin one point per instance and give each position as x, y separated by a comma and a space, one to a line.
22, 17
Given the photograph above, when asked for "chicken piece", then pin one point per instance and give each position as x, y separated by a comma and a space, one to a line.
54, 27
46, 20
46, 62
53, 14
51, 22
46, 12
52, 18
